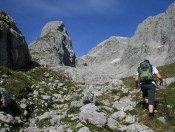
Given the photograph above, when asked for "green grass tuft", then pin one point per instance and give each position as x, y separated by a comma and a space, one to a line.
129, 82
73, 110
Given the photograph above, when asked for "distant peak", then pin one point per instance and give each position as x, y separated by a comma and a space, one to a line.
53, 26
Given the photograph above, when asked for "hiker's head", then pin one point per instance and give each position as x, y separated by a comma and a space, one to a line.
147, 61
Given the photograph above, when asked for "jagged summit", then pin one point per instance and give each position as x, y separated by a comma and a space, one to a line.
54, 47
53, 26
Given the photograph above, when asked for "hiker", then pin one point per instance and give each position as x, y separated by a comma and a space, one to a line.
145, 80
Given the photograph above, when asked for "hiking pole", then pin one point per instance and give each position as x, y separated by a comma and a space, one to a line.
136, 110
165, 106
135, 107
136, 99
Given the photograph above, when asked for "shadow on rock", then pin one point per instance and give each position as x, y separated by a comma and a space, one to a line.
12, 108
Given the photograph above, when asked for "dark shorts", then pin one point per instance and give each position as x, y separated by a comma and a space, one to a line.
148, 90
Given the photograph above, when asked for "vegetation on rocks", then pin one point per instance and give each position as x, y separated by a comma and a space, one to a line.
35, 90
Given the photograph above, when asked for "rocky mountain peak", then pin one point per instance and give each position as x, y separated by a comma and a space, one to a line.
54, 47
54, 26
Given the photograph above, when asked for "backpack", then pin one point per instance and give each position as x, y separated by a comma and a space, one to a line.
145, 72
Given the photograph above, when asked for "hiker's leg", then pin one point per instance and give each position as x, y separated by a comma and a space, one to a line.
144, 89
146, 100
151, 108
151, 96
144, 92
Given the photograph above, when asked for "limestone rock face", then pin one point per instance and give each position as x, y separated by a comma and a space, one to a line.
154, 40
14, 51
54, 47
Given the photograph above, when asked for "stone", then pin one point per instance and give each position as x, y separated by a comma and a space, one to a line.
23, 106
88, 98
130, 119
7, 118
124, 104
79, 125
112, 124
46, 115
77, 103
84, 129
4, 98
116, 83
119, 115
162, 119
168, 81
106, 102
89, 113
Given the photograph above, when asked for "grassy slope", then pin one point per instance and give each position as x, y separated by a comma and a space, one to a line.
18, 84
163, 97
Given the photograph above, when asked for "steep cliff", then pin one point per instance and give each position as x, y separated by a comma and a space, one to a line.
14, 51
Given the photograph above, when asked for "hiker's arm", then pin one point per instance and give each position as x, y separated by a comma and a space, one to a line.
137, 80
159, 77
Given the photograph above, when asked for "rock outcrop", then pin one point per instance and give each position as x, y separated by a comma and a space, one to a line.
54, 46
4, 98
14, 51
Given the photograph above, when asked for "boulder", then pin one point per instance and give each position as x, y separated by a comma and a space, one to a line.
112, 124
6, 118
89, 113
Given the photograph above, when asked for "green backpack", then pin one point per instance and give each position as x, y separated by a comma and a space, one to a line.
145, 72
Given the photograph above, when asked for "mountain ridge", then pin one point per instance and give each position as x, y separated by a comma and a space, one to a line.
152, 40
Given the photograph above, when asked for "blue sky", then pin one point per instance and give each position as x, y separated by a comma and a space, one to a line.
88, 22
